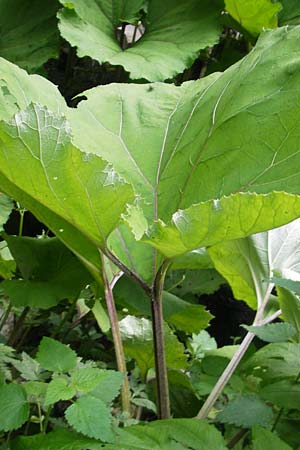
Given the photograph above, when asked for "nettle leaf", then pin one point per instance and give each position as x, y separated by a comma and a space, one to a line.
248, 264
290, 307
266, 440
246, 411
79, 196
254, 16
59, 389
28, 367
290, 13
29, 34
91, 417
167, 47
273, 332
109, 386
284, 393
14, 407
275, 361
138, 344
6, 207
159, 435
55, 440
50, 271
180, 146
55, 356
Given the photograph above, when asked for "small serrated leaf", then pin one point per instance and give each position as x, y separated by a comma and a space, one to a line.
273, 332
14, 408
55, 356
59, 389
109, 385
91, 417
28, 367
246, 411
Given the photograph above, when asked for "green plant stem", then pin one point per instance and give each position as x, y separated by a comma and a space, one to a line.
46, 421
5, 315
65, 318
236, 438
278, 417
17, 328
118, 345
159, 344
127, 271
22, 214
234, 362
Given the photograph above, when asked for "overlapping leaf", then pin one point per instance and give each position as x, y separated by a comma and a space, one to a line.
168, 46
183, 145
29, 34
79, 196
255, 15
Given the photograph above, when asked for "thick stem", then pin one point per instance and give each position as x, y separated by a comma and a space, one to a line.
163, 399
127, 271
118, 345
229, 370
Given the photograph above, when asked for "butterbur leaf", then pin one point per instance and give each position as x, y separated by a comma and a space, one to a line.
254, 16
249, 263
267, 440
246, 411
59, 389
6, 206
273, 332
50, 271
284, 393
91, 417
29, 35
82, 205
224, 219
290, 13
14, 409
91, 27
55, 356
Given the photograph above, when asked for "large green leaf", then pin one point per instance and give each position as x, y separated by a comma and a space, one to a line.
214, 221
254, 15
14, 407
183, 145
168, 46
18, 90
249, 263
79, 196
266, 440
29, 34
290, 13
50, 271
6, 206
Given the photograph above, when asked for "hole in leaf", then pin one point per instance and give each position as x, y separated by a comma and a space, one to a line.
128, 34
